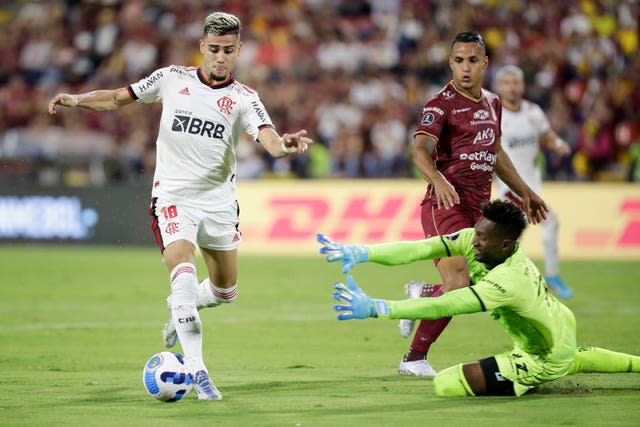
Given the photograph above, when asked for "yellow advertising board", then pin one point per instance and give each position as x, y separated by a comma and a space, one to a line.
283, 217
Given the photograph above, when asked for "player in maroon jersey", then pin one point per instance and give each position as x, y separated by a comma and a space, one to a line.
457, 150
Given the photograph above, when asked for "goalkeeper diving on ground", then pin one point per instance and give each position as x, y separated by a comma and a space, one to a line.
506, 283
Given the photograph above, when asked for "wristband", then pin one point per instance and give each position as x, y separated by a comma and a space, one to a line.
380, 308
285, 150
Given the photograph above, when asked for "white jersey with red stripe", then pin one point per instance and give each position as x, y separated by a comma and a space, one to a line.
198, 133
521, 133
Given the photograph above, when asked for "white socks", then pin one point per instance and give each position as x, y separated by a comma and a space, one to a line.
550, 244
185, 316
209, 295
187, 297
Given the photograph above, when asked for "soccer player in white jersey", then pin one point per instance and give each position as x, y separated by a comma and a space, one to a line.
525, 128
204, 110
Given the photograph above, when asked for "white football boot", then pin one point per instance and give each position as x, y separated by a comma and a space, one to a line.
417, 368
169, 334
412, 290
204, 387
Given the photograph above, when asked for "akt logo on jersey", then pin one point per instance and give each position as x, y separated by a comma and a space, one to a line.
485, 137
196, 126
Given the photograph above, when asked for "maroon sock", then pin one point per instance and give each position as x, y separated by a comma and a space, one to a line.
427, 333
429, 290
428, 330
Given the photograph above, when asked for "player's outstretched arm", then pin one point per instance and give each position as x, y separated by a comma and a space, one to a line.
98, 100
349, 255
280, 146
390, 253
355, 304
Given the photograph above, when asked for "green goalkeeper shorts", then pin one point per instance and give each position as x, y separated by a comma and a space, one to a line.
527, 370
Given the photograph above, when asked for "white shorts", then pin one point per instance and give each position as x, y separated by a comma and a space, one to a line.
215, 229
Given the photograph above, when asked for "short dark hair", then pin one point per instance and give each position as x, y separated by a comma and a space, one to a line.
508, 217
470, 37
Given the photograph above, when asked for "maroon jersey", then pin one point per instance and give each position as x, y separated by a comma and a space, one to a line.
466, 130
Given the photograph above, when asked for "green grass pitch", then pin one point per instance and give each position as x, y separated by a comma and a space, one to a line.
78, 323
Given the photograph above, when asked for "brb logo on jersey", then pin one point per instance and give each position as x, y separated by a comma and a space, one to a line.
196, 126
226, 104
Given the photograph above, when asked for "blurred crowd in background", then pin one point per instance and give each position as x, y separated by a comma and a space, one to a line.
354, 73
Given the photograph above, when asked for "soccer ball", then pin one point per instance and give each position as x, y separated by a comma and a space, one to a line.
166, 377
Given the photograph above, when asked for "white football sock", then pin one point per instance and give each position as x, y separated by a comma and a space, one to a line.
550, 244
209, 295
185, 316
205, 297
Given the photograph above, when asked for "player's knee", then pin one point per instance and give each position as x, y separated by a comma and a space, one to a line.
454, 283
451, 382
455, 274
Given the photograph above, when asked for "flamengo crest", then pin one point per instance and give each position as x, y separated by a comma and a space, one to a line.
226, 104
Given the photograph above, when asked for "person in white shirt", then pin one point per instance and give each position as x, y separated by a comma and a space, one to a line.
204, 112
525, 128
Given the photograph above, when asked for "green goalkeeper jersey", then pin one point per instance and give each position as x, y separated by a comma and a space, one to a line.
514, 292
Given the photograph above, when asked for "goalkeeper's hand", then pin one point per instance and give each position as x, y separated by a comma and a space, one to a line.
350, 255
355, 304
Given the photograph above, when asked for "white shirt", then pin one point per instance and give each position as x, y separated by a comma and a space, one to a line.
198, 133
521, 133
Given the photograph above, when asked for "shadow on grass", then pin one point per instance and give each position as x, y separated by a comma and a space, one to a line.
589, 384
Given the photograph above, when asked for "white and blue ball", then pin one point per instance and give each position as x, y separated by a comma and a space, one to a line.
166, 377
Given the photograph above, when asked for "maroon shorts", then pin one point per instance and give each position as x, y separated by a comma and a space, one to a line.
436, 222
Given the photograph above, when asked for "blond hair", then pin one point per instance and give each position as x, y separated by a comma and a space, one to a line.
221, 24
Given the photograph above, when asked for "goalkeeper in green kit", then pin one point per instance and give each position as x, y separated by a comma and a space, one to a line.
506, 283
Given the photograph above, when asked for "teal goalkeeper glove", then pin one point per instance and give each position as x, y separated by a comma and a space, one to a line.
350, 255
357, 304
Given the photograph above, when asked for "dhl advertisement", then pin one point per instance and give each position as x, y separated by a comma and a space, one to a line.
283, 217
